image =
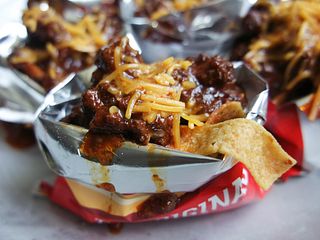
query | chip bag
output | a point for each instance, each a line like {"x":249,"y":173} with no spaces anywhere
{"x":230,"y":190}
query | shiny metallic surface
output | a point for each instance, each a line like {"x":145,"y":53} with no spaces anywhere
{"x":180,"y":171}
{"x":11,"y":35}
{"x":14,"y":35}
{"x":210,"y":29}
{"x":19,"y":101}
{"x":21,"y":96}
{"x":60,"y":142}
{"x":18,"y":98}
{"x":290,"y":210}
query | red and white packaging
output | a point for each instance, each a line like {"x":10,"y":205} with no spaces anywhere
{"x":229,"y":190}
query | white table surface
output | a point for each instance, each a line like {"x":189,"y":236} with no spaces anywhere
{"x":290,"y":211}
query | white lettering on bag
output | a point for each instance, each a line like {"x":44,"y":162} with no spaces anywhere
{"x":215,"y":200}
{"x":239,"y":187}
{"x":190,"y":212}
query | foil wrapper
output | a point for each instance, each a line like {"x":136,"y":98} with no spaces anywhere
{"x":219,"y":184}
{"x":21,"y":96}
{"x":210,"y":29}
{"x":231,"y":189}
{"x":134,"y":167}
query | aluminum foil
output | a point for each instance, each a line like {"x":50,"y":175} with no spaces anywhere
{"x":134,"y":167}
{"x":20,"y":96}
{"x":210,"y":29}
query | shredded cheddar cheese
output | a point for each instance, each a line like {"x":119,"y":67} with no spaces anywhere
{"x":131,"y":104}
{"x":85,"y":35}
{"x":168,"y":6}
{"x":152,"y":89}
{"x":176,"y":130}
{"x":114,"y":109}
{"x":295,"y":45}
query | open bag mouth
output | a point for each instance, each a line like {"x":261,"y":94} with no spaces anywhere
{"x":210,"y":26}
{"x":48,"y":46}
{"x":14,"y":36}
{"x":178,"y":171}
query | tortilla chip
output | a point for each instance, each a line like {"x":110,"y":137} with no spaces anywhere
{"x":227,"y":111}
{"x":245,"y":141}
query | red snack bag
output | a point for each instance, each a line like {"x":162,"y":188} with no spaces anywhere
{"x":229,"y":190}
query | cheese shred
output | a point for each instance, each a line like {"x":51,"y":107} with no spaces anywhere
{"x":290,"y":40}
{"x":152,"y":90}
